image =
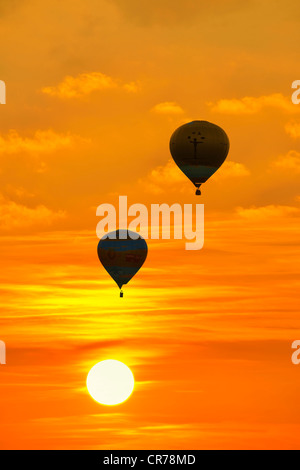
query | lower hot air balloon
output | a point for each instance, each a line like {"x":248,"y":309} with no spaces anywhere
{"x":199,"y":148}
{"x":122,"y":254}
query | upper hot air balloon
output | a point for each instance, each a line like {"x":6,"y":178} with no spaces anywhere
{"x":122,"y":254}
{"x":199,"y":148}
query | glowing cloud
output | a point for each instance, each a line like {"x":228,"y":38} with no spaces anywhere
{"x":252,"y":105}
{"x":86,"y":83}
{"x":162,"y":176}
{"x":13,"y":215}
{"x":293,"y":129}
{"x":169,"y":175}
{"x":168,"y":107}
{"x":290,"y":161}
{"x":232,"y":169}
{"x":42,"y":141}
{"x":266,"y":212}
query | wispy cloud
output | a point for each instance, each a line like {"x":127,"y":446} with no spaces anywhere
{"x":168,"y":107}
{"x":232,"y":170}
{"x":293,"y":129}
{"x":15,"y":216}
{"x":252,"y":105}
{"x":172,"y":13}
{"x":162,"y":176}
{"x":290,"y":161}
{"x":169,"y":175}
{"x":42,"y":141}
{"x":85,"y":83}
{"x":267,"y":212}
{"x":132,"y":87}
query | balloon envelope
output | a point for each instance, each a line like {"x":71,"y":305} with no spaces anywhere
{"x":199,"y":148}
{"x":122,"y":254}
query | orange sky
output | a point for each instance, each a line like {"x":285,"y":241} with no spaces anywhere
{"x":94,"y":90}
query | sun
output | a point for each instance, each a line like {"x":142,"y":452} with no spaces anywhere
{"x":110,"y":382}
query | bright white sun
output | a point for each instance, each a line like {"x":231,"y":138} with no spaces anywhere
{"x":110,"y":382}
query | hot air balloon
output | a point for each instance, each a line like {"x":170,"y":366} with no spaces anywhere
{"x":122,"y":254}
{"x":199,"y":148}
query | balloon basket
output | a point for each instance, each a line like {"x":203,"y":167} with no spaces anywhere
{"x":121,"y":294}
{"x":198,"y":192}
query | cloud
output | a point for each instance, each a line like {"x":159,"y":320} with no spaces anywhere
{"x":293,"y":129}
{"x":169,"y":175}
{"x":290,"y":161}
{"x":132,"y":87}
{"x":253,"y":105}
{"x":42,"y":141}
{"x":168,"y":107}
{"x":163,"y":176}
{"x":6,"y":6}
{"x":266,"y":212}
{"x":85,"y":83}
{"x":170,"y":12}
{"x":13,"y":215}
{"x":232,"y":169}
{"x":19,"y":191}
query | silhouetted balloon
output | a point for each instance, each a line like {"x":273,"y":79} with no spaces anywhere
{"x":199,"y":148}
{"x":121,"y":255}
